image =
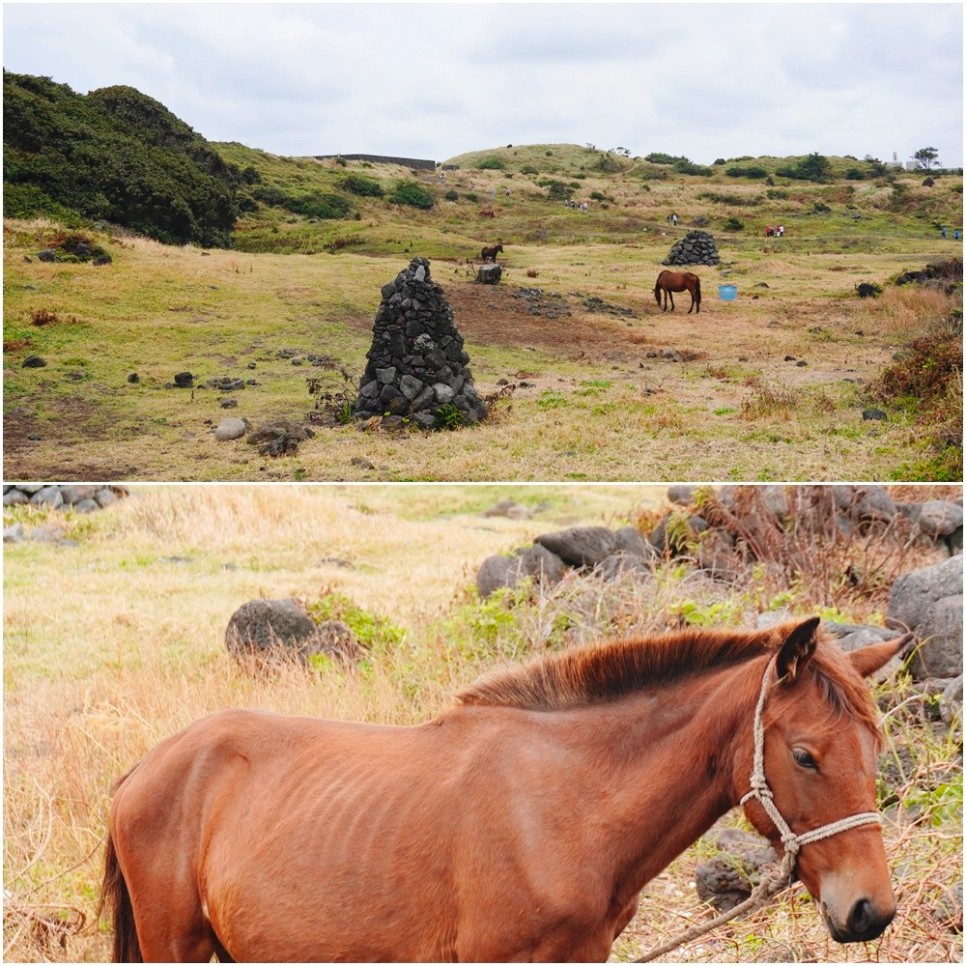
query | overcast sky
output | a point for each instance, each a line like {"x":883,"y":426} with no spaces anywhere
{"x":432,"y":81}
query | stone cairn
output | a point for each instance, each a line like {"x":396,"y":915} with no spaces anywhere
{"x":696,"y":248}
{"x":417,"y":363}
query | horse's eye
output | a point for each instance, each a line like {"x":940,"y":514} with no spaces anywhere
{"x":803,"y":758}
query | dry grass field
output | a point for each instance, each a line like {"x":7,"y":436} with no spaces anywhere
{"x":114,"y":639}
{"x":771,"y":386}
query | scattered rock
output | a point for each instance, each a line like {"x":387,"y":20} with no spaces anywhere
{"x":535,"y":562}
{"x":581,"y":546}
{"x":184,"y":380}
{"x":278,"y":437}
{"x":231,"y":428}
{"x":728,"y":879}
{"x":509,"y":509}
{"x":272,"y":631}
{"x":489,"y":274}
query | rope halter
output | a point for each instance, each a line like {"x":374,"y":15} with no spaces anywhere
{"x":760,"y":790}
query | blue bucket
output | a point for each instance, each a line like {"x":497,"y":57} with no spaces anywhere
{"x":727,"y":293}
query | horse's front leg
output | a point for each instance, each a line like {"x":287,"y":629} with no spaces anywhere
{"x":670,"y":295}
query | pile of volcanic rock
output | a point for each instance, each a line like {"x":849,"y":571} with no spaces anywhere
{"x":417,"y":363}
{"x":696,"y":248}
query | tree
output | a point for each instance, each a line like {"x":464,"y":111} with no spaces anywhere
{"x":926,"y":158}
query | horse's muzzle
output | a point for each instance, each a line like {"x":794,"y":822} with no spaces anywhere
{"x":864,"y":922}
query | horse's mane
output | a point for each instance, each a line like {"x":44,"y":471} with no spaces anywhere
{"x":608,"y":671}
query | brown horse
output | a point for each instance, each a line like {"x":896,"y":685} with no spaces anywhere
{"x":489,"y":254}
{"x":669,"y":282}
{"x":521,"y":823}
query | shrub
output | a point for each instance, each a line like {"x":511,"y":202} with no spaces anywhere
{"x":452,"y":195}
{"x":557,"y":190}
{"x":658,"y":157}
{"x":755,"y":171}
{"x":733,"y":224}
{"x":491,"y":163}
{"x":359,"y":184}
{"x":815,"y":167}
{"x":684,"y":166}
{"x":412,"y":193}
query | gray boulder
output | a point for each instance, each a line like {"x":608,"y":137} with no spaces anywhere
{"x":273,"y":631}
{"x":489,"y":274}
{"x":937,"y":519}
{"x":727,"y":879}
{"x":535,"y":562}
{"x":48,"y":496}
{"x":231,"y":427}
{"x":581,"y":546}
{"x":624,"y":562}
{"x":930,"y":603}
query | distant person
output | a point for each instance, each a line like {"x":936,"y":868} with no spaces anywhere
{"x":781,"y":230}
{"x":956,"y":235}
{"x":769,"y":231}
{"x":942,"y":232}
{"x":674,"y":220}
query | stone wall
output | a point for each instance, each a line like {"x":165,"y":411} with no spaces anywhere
{"x":419,"y":164}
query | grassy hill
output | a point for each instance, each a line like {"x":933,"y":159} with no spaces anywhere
{"x":525,"y":188}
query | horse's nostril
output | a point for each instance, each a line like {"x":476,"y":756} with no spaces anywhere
{"x":864,"y":922}
{"x":861,"y":917}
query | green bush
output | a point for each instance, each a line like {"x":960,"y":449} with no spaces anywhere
{"x":753,"y":171}
{"x":815,"y":167}
{"x":684,"y":166}
{"x":492,"y":162}
{"x":359,"y":184}
{"x":657,"y":157}
{"x":412,"y":193}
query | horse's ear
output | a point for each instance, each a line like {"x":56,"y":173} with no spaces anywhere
{"x":868,"y":660}
{"x":797,"y":649}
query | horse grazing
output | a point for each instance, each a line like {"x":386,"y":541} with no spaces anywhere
{"x":521,"y":823}
{"x":669,"y":282}
{"x":489,"y":254}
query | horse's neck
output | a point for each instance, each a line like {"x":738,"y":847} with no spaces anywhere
{"x":674,"y":776}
